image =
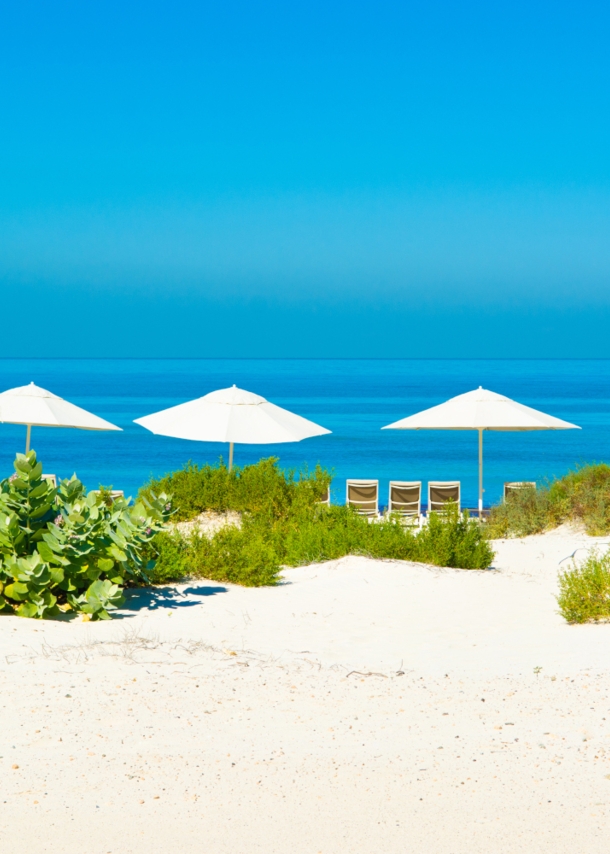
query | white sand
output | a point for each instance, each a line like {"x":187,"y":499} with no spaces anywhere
{"x":211,"y":718}
{"x":207,"y":523}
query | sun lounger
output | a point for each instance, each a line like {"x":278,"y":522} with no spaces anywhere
{"x":364,"y":496}
{"x":441,"y":492}
{"x":325,"y":498}
{"x":405,"y":498}
{"x":516,"y":486}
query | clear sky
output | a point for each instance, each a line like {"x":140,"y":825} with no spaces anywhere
{"x":305,"y":178}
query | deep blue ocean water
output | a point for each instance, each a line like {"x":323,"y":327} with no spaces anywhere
{"x":352,"y":398}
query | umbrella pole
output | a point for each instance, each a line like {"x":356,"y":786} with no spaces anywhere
{"x":230,"y":455}
{"x":28,"y":436}
{"x":480,"y":475}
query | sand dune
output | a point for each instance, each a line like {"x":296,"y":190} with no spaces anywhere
{"x":362,"y":706}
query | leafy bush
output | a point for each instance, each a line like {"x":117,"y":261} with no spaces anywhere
{"x":259,"y":488}
{"x":584,"y":592}
{"x":333,"y":532}
{"x":64,"y":550}
{"x":233,"y":554}
{"x":525,"y":511}
{"x":453,"y":540}
{"x":283,"y":524}
{"x":241,"y":556}
{"x":168,"y":555}
{"x":583,"y":496}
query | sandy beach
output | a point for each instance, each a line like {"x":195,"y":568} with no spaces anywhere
{"x":361,"y":706}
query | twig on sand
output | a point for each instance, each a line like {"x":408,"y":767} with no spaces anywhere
{"x":371,"y":673}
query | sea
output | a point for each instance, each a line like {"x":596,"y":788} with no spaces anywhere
{"x":352,"y":398}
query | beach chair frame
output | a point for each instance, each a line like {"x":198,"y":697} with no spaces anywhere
{"x":516,"y":485}
{"x":409,"y":510}
{"x":365,"y":506}
{"x":443,"y":485}
{"x":325,"y":499}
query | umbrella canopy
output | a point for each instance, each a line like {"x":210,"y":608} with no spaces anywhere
{"x":231,"y":415}
{"x":481,"y":410}
{"x":36,"y":407}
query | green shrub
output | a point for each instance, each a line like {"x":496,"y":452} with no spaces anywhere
{"x":62,"y":549}
{"x":241,"y":556}
{"x":167,"y":555}
{"x":525,"y":511}
{"x":584,"y":592}
{"x":333,"y":532}
{"x":581,"y":496}
{"x":316,"y":534}
{"x":453,"y":540}
{"x":284,"y":524}
{"x":259,"y":488}
{"x":105,"y":495}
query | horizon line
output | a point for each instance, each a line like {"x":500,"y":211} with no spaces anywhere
{"x":305,"y":358}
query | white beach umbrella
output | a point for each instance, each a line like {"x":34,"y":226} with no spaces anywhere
{"x":481,"y":410}
{"x":33,"y":406}
{"x":231,"y":415}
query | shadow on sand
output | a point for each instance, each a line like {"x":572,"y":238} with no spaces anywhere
{"x":152,"y":598}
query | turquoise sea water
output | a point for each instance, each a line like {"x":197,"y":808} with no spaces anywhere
{"x":352,"y":398}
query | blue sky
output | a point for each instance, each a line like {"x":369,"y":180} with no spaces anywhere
{"x":306,"y":179}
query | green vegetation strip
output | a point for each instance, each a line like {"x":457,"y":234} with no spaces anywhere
{"x":284,"y":524}
{"x":582,"y":496}
{"x":65,"y":550}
